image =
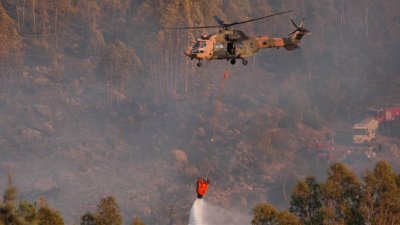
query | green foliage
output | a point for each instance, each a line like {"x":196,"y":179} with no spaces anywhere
{"x":342,"y":194}
{"x":266,"y":214}
{"x":312,"y":118}
{"x":306,"y":201}
{"x":137,"y":221}
{"x":10,"y":195}
{"x":297,"y":104}
{"x":263,"y":214}
{"x":48,"y":216}
{"x":287,"y":218}
{"x":381,"y":196}
{"x":344,"y":199}
{"x":8,"y":213}
{"x":88,"y":219}
{"x":108,"y":212}
{"x":28,"y":211}
{"x":118,"y":63}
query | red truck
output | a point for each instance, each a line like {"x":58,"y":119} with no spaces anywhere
{"x":383,"y":115}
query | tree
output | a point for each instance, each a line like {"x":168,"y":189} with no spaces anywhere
{"x":29,"y":212}
{"x":48,"y":216}
{"x":341,"y":195}
{"x":8,"y":213}
{"x":381,"y":196}
{"x":287,"y":218}
{"x":118,"y":63}
{"x":265,"y":214}
{"x":137,"y":221}
{"x":108,"y":212}
{"x":306,"y":201}
{"x":88,"y":219}
{"x":11,"y":45}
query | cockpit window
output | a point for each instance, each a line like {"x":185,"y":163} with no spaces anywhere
{"x":198,"y":47}
{"x":199,"y":44}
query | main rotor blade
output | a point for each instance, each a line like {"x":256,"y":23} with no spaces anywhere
{"x":302,"y":22}
{"x":219,"y":21}
{"x":182,"y":28}
{"x":294,"y":24}
{"x":247,"y":21}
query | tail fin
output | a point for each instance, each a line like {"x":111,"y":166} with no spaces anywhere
{"x":293,"y":39}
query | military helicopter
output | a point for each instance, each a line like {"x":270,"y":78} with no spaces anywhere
{"x":235,"y":44}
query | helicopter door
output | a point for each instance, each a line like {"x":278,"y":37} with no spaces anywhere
{"x":219,"y":51}
{"x":231,"y":48}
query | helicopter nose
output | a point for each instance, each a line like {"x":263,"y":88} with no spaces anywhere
{"x":188,"y":52}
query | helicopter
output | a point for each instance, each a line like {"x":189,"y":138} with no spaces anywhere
{"x":231,"y":44}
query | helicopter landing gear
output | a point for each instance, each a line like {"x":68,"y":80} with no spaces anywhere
{"x":233,"y":61}
{"x":199,"y":64}
{"x":245,"y":62}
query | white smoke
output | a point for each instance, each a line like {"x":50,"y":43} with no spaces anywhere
{"x":204,"y":213}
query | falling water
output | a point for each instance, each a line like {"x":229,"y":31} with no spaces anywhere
{"x":206,"y":213}
{"x":197,"y":213}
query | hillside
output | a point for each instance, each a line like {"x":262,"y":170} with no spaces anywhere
{"x":96,"y":99}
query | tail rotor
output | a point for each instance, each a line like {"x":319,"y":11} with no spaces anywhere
{"x":300,"y":30}
{"x":293,"y":40}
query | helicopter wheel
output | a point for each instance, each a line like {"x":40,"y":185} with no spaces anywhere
{"x":245,"y":62}
{"x":199,"y":64}
{"x":233,"y":61}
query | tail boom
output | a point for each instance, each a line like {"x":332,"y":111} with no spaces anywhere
{"x":267,"y":42}
{"x":289,"y":43}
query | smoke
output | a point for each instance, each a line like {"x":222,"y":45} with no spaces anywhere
{"x":205,"y":213}
{"x":67,"y":140}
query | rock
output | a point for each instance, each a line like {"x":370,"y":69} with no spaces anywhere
{"x":48,"y":128}
{"x":190,"y":171}
{"x":180,"y":156}
{"x":29,"y":134}
{"x":76,"y":87}
{"x":43,"y":110}
{"x":200,"y":132}
{"x":41,"y":81}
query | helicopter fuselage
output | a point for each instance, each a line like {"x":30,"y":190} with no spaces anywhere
{"x":227,"y":44}
{"x":234,"y":44}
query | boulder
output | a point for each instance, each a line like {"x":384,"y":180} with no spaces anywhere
{"x":180,"y":156}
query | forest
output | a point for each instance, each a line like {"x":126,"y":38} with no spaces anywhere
{"x":342,"y":199}
{"x":102,"y":111}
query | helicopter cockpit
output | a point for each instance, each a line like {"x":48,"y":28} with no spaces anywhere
{"x":199,"y":46}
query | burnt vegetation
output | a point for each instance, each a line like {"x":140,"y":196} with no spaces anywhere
{"x":97,"y":100}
